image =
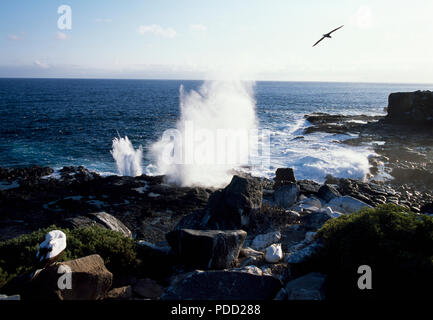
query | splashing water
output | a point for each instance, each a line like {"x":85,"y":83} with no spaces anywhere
{"x":211,"y":137}
{"x":128,"y":160}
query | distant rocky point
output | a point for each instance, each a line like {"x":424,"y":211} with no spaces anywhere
{"x":402,"y":139}
{"x":413,"y":108}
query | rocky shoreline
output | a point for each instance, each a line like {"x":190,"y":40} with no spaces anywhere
{"x":254,"y":231}
{"x":273,"y":226}
{"x":402,"y":140}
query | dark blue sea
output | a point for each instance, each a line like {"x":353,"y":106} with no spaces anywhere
{"x":60,"y":122}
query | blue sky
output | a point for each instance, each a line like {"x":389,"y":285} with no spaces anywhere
{"x":382,"y":41}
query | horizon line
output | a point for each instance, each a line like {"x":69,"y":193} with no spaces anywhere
{"x":179,"y":79}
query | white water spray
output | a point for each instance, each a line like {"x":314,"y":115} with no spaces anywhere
{"x":212,"y":136}
{"x":128,"y":160}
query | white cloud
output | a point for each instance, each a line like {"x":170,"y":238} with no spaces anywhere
{"x":103,"y":20}
{"x":158,"y":31}
{"x":363,"y":18}
{"x":61,"y":36}
{"x":41,"y":64}
{"x":14,"y":37}
{"x":198,"y":27}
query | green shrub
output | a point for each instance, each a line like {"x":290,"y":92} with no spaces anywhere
{"x":397,"y":244}
{"x":18,"y":255}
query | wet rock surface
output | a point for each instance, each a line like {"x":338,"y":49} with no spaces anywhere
{"x":145,"y":205}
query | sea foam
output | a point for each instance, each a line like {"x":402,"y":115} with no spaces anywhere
{"x":128,"y":159}
{"x":211,"y":137}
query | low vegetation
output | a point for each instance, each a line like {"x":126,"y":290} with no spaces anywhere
{"x":397,"y":244}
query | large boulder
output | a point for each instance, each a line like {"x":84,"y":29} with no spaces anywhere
{"x":211,"y":249}
{"x":101,"y":219}
{"x":286,"y":195}
{"x":308,"y":187}
{"x":111,"y":223}
{"x":411,"y":108}
{"x":162,"y":257}
{"x":223,"y":285}
{"x":284,"y":176}
{"x":308,"y":287}
{"x":80,"y":279}
{"x":347,"y":204}
{"x":234,"y":207}
{"x":314,"y":220}
{"x":328,"y":192}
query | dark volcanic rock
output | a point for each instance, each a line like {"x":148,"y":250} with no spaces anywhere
{"x":191,"y":221}
{"x":212,"y":249}
{"x":286,"y":195}
{"x":284,"y":176}
{"x":417,"y":175}
{"x":31,"y":173}
{"x":337,"y":123}
{"x":234,"y":207}
{"x":223,"y":285}
{"x":148,"y":289}
{"x":78,"y":222}
{"x":147,"y":206}
{"x":411,"y":108}
{"x":162,"y":257}
{"x":314,"y":220}
{"x":308,"y":187}
{"x":308,"y":287}
{"x":80,"y":174}
{"x":327,"y":192}
{"x":376,"y":193}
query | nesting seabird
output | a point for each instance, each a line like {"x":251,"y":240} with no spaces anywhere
{"x":51,"y":249}
{"x":327,"y":35}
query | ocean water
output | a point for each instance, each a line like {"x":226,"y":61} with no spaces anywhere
{"x":61,"y":122}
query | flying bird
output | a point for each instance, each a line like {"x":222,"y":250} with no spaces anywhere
{"x":327,"y":35}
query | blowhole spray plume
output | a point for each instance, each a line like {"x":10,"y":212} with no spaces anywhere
{"x":128,"y":159}
{"x":211,"y":137}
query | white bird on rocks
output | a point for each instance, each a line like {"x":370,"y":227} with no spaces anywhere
{"x":274,"y":253}
{"x":51,"y":248}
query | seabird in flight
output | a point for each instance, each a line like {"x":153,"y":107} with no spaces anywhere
{"x":328,"y":35}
